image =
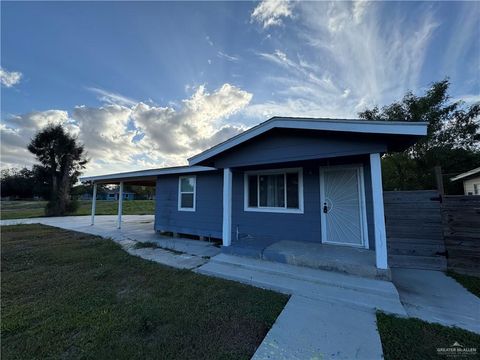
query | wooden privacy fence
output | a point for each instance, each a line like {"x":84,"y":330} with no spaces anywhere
{"x":414,"y":229}
{"x":461,"y":228}
{"x":426,"y":231}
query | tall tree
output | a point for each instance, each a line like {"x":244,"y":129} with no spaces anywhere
{"x":61,"y":159}
{"x":452,"y":141}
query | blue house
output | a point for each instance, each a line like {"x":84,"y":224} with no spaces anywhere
{"x":288,"y":183}
{"x":112,"y":195}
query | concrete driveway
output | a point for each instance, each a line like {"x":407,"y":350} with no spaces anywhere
{"x":435,"y":297}
{"x":187,"y":254}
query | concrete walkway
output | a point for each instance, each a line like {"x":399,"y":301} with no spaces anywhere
{"x":329,"y":315}
{"x":435,"y":297}
{"x":313,"y":329}
{"x":186,"y":254}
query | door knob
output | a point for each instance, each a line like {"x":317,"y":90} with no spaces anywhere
{"x":325,"y":208}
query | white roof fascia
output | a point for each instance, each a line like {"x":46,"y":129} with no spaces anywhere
{"x":147,"y":173}
{"x":466,"y":174}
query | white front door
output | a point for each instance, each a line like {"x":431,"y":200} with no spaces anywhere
{"x":342,"y":197}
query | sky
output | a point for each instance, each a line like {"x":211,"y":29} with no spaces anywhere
{"x":149,"y":84}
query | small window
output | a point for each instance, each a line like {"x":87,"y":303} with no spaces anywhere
{"x":274,"y":191}
{"x":476,"y":189}
{"x":186,"y":193}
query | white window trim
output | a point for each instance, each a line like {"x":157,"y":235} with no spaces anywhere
{"x":274,"y":209}
{"x":180,"y":208}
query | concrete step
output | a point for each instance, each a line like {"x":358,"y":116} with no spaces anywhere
{"x":361,"y":295}
{"x":244,"y":250}
{"x":418,"y":262}
{"x":383,"y":288}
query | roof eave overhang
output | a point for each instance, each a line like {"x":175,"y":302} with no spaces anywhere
{"x":144,"y":175}
{"x":466,"y":175}
{"x":353,"y":126}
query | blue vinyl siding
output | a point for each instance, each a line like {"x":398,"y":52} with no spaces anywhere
{"x":266,"y":226}
{"x":269,"y":227}
{"x":205,"y":221}
{"x":280,"y":146}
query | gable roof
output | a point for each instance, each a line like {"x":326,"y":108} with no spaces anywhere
{"x":325,"y":124}
{"x":466,"y":174}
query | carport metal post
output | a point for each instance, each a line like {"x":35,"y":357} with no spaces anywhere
{"x":120,"y":205}
{"x":94,"y":202}
{"x":378,"y":212}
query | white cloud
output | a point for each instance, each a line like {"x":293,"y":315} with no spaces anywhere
{"x":196,"y":125}
{"x":118,"y":137}
{"x":469,"y":99}
{"x":225,"y":56}
{"x":112,"y":98}
{"x":349,"y":60}
{"x":270,"y":12}
{"x":17,"y":131}
{"x":359,"y":9}
{"x":209,"y":41}
{"x":278,"y":57}
{"x":466,"y":32}
{"x":9,"y":78}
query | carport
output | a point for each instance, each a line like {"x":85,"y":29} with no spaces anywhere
{"x":140,"y":178}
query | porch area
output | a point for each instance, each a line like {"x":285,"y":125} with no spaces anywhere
{"x":343,"y":259}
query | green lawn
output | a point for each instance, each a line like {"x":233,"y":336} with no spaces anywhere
{"x":28,"y":209}
{"x":471,"y":283}
{"x":414,"y":339}
{"x":72,"y":295}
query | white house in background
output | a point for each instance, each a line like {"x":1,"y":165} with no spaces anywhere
{"x":471,"y":181}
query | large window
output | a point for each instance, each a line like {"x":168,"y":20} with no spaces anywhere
{"x":274,"y":191}
{"x":186,"y":193}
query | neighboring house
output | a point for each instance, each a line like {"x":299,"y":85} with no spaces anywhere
{"x":112,"y":195}
{"x":86,"y":196}
{"x":109,"y":195}
{"x":471,"y":181}
{"x":311,"y":181}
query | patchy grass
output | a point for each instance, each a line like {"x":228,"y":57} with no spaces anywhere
{"x":413,"y":339}
{"x":146,"y":244}
{"x":469,"y":282}
{"x":29,"y":209}
{"x":152,"y":245}
{"x":72,"y":295}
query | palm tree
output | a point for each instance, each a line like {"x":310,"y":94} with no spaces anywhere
{"x":61,"y":158}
